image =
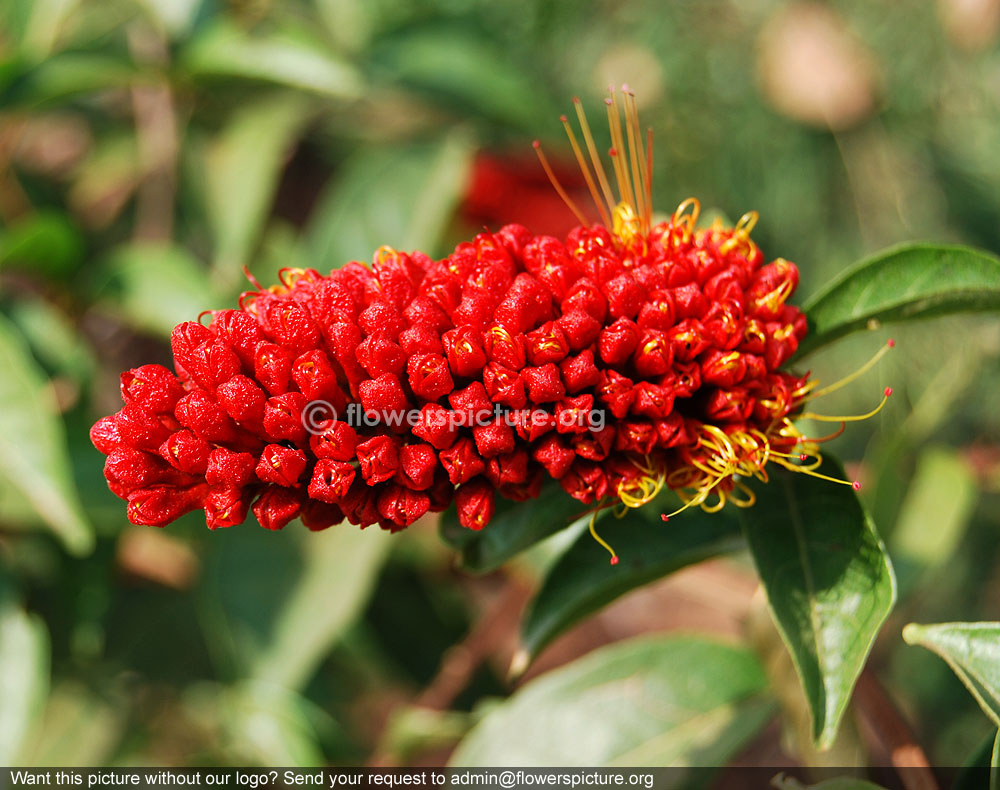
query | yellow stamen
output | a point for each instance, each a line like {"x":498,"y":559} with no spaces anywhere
{"x":599,"y":539}
{"x":849,"y":417}
{"x":559,"y":187}
{"x":585,"y":169}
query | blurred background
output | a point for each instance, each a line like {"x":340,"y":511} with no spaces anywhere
{"x":149,"y":149}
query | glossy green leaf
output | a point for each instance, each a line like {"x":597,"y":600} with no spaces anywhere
{"x":291,"y":59}
{"x":651,"y":701}
{"x":242,"y":168}
{"x":33,"y":455}
{"x":903,"y":283}
{"x":828,"y":580}
{"x":276,"y":602}
{"x":402,"y":197}
{"x":156,"y":286}
{"x":24,"y":676}
{"x":582,"y":580}
{"x":972,"y":650}
{"x":514,"y":527}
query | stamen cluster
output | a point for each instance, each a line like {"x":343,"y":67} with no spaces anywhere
{"x":675,"y":336}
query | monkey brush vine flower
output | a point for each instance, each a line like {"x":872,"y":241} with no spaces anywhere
{"x":675,"y":334}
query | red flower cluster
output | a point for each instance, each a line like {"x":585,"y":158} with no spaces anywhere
{"x":629,"y":358}
{"x":673,"y":339}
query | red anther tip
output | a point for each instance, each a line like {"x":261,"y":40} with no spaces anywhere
{"x":891,"y":343}
{"x":665,"y":517}
{"x":888,"y":391}
{"x":576,"y":100}
{"x":856,"y":485}
{"x":536,"y":144}
{"x":563,"y":118}
{"x":803,"y":457}
{"x":614,"y":560}
{"x":612,"y":152}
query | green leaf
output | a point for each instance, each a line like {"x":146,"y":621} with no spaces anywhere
{"x":263,"y":594}
{"x":269,"y":725}
{"x":972,"y":650}
{"x":24,"y":676}
{"x":33,"y":455}
{"x":582,"y":580}
{"x":651,"y":701}
{"x":155,"y":286}
{"x":471,"y":71}
{"x":514,"y":527}
{"x":402,"y":197}
{"x":54,"y":338}
{"x":242,"y":168}
{"x":995,"y":764}
{"x":65,"y":76}
{"x":828,"y":580}
{"x":901,"y":284}
{"x":285,"y":58}
{"x":46,"y":243}
{"x":934,"y":516}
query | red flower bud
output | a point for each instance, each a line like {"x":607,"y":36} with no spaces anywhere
{"x":226,"y":507}
{"x":544,"y":384}
{"x":585,"y":481}
{"x":160,"y":504}
{"x":429,"y":376}
{"x":400,"y":506}
{"x":580,"y":328}
{"x":378,"y":355}
{"x":186,"y":452}
{"x":337,"y":442}
{"x":579,"y":372}
{"x":152,"y":388}
{"x":494,"y":439}
{"x":461,"y":461}
{"x":379,"y":458}
{"x":331,"y":480}
{"x":417,"y":464}
{"x":504,"y":386}
{"x":437,"y":426}
{"x":475,"y":504}
{"x":281,"y":465}
{"x":199,"y":412}
{"x":272,"y":367}
{"x":420,"y":339}
{"x":283,"y":417}
{"x":547,"y":344}
{"x":230,"y":470}
{"x":243,"y":401}
{"x":556,"y":457}
{"x":464,"y":349}
{"x":275,"y":507}
{"x":618,"y":341}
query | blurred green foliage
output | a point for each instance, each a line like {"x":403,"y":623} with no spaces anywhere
{"x":150,"y":149}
